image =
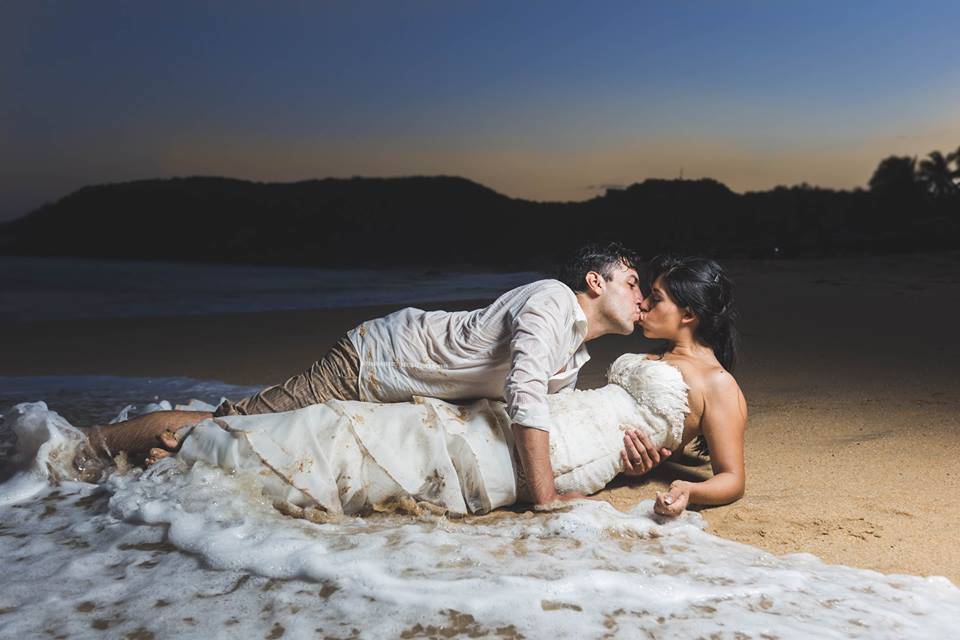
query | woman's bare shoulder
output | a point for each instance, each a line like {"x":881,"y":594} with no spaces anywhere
{"x":708,"y":380}
{"x":722,"y":391}
{"x":719,"y":380}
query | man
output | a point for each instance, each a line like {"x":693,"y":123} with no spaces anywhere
{"x":528,"y":343}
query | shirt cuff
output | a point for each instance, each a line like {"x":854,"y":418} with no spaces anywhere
{"x":533,"y":417}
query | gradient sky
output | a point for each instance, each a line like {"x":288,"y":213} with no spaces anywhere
{"x":542,"y":100}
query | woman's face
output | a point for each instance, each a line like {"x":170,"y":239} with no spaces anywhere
{"x":660,"y":317}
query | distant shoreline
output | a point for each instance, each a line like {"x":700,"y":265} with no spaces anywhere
{"x":40,"y":289}
{"x":428,"y":268}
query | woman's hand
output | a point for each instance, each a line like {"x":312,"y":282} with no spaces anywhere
{"x":672,"y":503}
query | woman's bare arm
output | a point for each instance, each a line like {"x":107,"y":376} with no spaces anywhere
{"x":723,"y":424}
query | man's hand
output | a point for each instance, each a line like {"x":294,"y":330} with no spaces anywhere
{"x":639,"y":455}
{"x":672,"y":503}
{"x":559,"y":501}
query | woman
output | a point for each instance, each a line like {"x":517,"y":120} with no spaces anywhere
{"x":351,"y":457}
{"x":691,"y":307}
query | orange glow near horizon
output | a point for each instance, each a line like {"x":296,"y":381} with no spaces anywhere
{"x":550,"y":176}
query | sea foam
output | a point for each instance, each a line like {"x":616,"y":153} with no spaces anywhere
{"x":193,"y":551}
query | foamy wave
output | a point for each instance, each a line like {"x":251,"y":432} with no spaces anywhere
{"x":43,"y":448}
{"x":106,"y":554}
{"x":572,"y":574}
{"x":46,"y":446}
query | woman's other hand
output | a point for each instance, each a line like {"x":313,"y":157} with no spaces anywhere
{"x":672,"y":503}
{"x":639,"y":455}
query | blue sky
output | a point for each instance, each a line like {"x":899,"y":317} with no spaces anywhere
{"x":542,"y":100}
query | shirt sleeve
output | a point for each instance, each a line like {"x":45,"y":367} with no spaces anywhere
{"x":537,"y":347}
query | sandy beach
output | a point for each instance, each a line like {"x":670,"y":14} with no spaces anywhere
{"x":851,"y":369}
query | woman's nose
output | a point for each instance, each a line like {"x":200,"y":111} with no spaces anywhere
{"x":644,"y":305}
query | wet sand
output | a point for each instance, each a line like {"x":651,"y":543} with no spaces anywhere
{"x":851,"y":369}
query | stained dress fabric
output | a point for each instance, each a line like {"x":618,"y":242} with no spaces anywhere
{"x":349,"y":456}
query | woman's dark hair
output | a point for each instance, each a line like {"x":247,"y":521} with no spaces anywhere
{"x":602,"y":258}
{"x":702,"y":287}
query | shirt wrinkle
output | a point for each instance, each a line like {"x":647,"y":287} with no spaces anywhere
{"x":524,"y":345}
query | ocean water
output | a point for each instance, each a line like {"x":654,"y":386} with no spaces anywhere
{"x":86,"y":400}
{"x":33,"y":289}
{"x":193,"y":552}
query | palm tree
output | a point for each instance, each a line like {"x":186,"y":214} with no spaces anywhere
{"x":936,"y":175}
{"x":955,"y":158}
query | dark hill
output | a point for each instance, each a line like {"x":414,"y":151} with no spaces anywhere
{"x":450,"y":220}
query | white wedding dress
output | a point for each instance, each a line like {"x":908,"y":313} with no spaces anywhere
{"x":350,"y":457}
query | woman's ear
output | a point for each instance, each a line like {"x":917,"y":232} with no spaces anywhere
{"x":688,"y":318}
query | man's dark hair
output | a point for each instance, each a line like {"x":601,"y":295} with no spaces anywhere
{"x":602,"y":258}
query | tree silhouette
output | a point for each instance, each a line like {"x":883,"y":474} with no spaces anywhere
{"x":895,"y":176}
{"x":936,"y":176}
{"x":955,"y":158}
{"x":414,"y":220}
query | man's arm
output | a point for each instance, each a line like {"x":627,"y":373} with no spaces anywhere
{"x":538,"y":348}
{"x":533,"y":446}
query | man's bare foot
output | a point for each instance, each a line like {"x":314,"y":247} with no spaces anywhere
{"x":155,"y":455}
{"x":170,"y":442}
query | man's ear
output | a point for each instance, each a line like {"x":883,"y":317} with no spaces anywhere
{"x":595,"y":282}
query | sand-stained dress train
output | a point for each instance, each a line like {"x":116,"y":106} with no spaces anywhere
{"x":350,"y":457}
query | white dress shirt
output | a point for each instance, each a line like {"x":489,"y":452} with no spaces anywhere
{"x":526,"y":344}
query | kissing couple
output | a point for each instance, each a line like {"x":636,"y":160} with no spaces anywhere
{"x":467,"y":411}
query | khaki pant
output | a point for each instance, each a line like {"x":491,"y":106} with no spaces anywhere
{"x":334,"y":376}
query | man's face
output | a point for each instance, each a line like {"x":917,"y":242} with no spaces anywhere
{"x":622,"y":298}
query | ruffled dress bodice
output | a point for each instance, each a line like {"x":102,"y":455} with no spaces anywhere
{"x":585,"y":446}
